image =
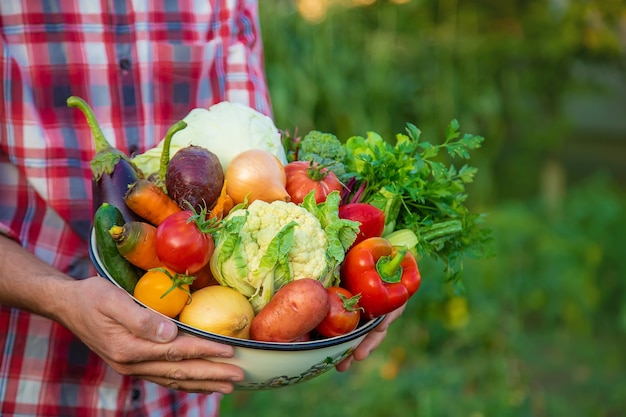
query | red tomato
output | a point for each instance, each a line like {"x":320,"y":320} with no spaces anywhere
{"x":305,"y":176}
{"x":204,"y":278}
{"x":344,"y":313}
{"x":372,"y":219}
{"x":181,"y":246}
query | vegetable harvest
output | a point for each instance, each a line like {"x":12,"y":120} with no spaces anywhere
{"x":281,"y":239}
{"x":407,"y":179}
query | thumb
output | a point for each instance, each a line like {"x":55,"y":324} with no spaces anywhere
{"x":150,"y":325}
{"x":166,"y":331}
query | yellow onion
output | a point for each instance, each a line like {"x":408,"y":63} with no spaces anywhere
{"x":256,"y":174}
{"x":218,"y":309}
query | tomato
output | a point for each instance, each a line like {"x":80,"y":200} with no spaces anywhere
{"x":344,"y":313}
{"x":204,"y":278}
{"x":181,"y":245}
{"x":306,"y":176}
{"x":372,"y":219}
{"x":162,"y":290}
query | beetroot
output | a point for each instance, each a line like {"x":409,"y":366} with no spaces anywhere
{"x":194,"y":176}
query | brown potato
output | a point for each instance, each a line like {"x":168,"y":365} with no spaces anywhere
{"x":296,"y":309}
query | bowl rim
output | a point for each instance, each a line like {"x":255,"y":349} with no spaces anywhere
{"x":361,"y":330}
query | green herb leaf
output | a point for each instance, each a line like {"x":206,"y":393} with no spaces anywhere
{"x":419,"y":190}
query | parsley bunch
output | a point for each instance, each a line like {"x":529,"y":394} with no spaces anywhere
{"x":417,"y":191}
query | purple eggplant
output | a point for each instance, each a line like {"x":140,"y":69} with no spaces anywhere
{"x":112,"y":170}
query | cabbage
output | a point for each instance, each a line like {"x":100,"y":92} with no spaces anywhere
{"x":226,"y":129}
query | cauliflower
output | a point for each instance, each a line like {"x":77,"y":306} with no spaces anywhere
{"x":264,"y":246}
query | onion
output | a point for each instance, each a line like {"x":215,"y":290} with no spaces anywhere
{"x":219,"y":309}
{"x":257,"y":174}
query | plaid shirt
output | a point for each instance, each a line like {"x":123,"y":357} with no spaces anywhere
{"x":142,"y":65}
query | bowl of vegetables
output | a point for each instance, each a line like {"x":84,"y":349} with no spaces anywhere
{"x":291,"y":250}
{"x":285,"y":326}
{"x":269,"y":365}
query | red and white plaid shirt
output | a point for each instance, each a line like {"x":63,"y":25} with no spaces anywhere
{"x":142,"y":65}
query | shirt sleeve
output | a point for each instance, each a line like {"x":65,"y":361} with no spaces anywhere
{"x":11,"y":193}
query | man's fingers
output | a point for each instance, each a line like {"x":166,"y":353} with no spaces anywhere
{"x":192,"y":370}
{"x":203,"y":387}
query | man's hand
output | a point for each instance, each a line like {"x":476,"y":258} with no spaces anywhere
{"x":371,"y":341}
{"x":136,"y":341}
{"x":132,"y":339}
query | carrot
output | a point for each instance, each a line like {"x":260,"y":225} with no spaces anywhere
{"x":149,"y":201}
{"x":223,"y":205}
{"x":135,"y":242}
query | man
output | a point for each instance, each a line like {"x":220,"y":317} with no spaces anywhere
{"x":72,"y":343}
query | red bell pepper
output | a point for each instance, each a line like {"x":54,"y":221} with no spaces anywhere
{"x":386,"y":276}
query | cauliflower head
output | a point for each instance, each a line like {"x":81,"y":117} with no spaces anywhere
{"x":266,"y":245}
{"x":307,"y":255}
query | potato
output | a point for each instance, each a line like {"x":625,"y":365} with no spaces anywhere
{"x":296,"y":309}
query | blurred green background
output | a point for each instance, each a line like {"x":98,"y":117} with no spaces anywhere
{"x":541,"y":328}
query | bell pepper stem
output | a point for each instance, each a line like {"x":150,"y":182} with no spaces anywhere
{"x":389,"y":268}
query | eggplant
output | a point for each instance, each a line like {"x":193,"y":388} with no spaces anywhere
{"x":112,"y":170}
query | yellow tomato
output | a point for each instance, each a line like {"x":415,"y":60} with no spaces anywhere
{"x":162,"y":290}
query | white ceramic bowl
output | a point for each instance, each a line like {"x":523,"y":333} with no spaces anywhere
{"x":266,"y":364}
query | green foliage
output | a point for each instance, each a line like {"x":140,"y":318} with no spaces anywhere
{"x":540,"y":330}
{"x":541,"y":327}
{"x":416,"y":190}
{"x":504,"y":69}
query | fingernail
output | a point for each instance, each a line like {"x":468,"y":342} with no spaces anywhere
{"x":166,"y":331}
{"x":346,"y":364}
{"x":228,"y":353}
{"x":236,"y":378}
{"x":226,"y":389}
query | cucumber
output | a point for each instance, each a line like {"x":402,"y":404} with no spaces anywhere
{"x":122,"y":271}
